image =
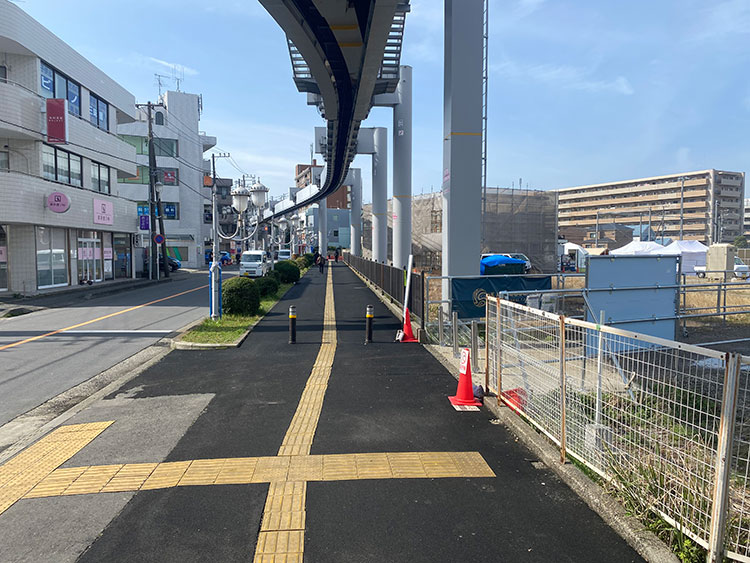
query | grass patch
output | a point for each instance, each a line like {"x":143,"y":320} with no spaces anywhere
{"x":230,"y":327}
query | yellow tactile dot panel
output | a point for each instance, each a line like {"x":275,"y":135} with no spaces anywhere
{"x":286,"y":546}
{"x":130,"y":478}
{"x":30,"y":467}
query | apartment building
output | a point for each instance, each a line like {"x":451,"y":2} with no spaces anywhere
{"x":706,"y":205}
{"x":62,"y":221}
{"x":179,"y":148}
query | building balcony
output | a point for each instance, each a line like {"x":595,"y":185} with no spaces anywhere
{"x":207,"y":141}
{"x":20,"y":112}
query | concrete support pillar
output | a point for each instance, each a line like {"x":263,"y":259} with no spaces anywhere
{"x":462,"y":137}
{"x":402,"y":126}
{"x":323,"y":226}
{"x":380,"y":195}
{"x":355,"y":219}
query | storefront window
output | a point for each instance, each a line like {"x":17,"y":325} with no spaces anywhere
{"x":51,"y":257}
{"x":3,"y":257}
{"x":89,"y":254}
{"x":107,"y":255}
{"x":122,"y":255}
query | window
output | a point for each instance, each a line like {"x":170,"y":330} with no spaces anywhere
{"x":51,"y":257}
{"x":4,"y":160}
{"x":159,"y":118}
{"x":56,"y":85}
{"x":170,"y":210}
{"x":208,"y":215}
{"x":165,"y":147}
{"x":3,"y":73}
{"x":99,"y":177}
{"x":167,"y":176}
{"x":61,"y":166}
{"x":98,"y":112}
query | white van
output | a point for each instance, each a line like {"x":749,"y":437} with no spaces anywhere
{"x":285,"y":254}
{"x":254,"y":263}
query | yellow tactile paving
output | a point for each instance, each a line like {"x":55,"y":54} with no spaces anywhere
{"x":27,"y":469}
{"x":166,"y":475}
{"x":130,"y":477}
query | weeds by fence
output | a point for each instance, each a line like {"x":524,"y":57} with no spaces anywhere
{"x":664,"y":423}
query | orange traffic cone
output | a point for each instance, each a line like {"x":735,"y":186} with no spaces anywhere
{"x":408,"y":333}
{"x":465,"y":391}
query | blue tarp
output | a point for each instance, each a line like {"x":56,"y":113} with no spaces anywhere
{"x":497,"y":260}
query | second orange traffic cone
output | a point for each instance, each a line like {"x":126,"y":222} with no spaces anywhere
{"x":465,"y":391}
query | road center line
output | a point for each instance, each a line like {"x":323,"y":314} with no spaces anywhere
{"x":45,"y":335}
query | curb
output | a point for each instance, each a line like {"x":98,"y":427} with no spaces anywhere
{"x":177,"y":344}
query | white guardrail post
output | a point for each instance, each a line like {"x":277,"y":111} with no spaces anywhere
{"x":724,"y":459}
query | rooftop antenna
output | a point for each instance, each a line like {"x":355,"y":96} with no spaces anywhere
{"x":159,"y":78}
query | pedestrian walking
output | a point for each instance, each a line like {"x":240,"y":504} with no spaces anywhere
{"x":336,"y":255}
{"x":321,"y":262}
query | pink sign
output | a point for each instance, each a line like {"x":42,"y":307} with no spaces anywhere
{"x":58,"y":202}
{"x":97,"y":253}
{"x":104,"y":212}
{"x":108,"y":254}
{"x":3,"y":254}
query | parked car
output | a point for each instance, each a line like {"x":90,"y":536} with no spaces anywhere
{"x":517,"y":256}
{"x":173,"y":263}
{"x":254,"y":263}
{"x":741,"y":270}
{"x":284,"y":254}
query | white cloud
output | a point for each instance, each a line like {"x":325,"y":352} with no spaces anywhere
{"x":563,"y":76}
{"x":527,"y":7}
{"x":722,"y":19}
{"x":175,"y":66}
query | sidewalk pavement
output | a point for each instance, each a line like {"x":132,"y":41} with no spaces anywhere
{"x":383,"y":402}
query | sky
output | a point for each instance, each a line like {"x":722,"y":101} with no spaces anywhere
{"x":580,"y":91}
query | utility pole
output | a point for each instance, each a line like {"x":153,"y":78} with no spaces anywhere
{"x":215,"y":264}
{"x":154,"y":201}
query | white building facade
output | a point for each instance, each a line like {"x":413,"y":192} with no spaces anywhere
{"x":179,"y":148}
{"x":62,"y":221}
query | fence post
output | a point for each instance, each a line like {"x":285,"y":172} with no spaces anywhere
{"x":723,"y":458}
{"x":725,"y":304}
{"x":563,"y":394}
{"x":423,"y":316}
{"x":599,"y":360}
{"x":454,"y":327}
{"x":475,"y":341}
{"x":441,"y":327}
{"x":499,"y":359}
{"x":718,"y":297}
{"x":486,"y":344}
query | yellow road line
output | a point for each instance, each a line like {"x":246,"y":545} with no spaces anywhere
{"x":34,"y":465}
{"x":31,"y":339}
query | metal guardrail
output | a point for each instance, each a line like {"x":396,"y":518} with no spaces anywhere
{"x":392,"y":281}
{"x":668,"y":424}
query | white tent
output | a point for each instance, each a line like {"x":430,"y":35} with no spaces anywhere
{"x":692,"y":254}
{"x":638,"y":248}
{"x":572,"y":249}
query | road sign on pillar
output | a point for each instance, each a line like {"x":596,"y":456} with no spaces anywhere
{"x":159,"y":238}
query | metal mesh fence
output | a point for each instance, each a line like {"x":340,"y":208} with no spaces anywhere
{"x":652,"y":416}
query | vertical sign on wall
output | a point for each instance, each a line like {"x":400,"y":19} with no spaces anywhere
{"x":57,"y":120}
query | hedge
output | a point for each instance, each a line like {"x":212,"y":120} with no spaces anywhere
{"x":240,"y":296}
{"x":301,"y":263}
{"x":310,"y":258}
{"x":273,"y":274}
{"x":288,"y":271}
{"x":267,"y":286}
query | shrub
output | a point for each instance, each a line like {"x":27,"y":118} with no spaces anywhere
{"x":301,"y":263}
{"x":240,"y":296}
{"x":274,"y":274}
{"x":267,"y":286}
{"x":288,"y":270}
{"x":310,"y":259}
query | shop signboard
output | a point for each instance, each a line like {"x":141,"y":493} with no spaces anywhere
{"x":57,"y":120}
{"x":3,"y":253}
{"x":58,"y":202}
{"x":104,"y":212}
{"x":107,"y":253}
{"x":143,"y":222}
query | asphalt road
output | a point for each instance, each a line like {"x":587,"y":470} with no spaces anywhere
{"x":35,"y":371}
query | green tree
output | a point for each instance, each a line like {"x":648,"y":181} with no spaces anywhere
{"x":741,"y":241}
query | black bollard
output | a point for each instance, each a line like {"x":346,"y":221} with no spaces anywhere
{"x":368,"y":323}
{"x":292,"y":324}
